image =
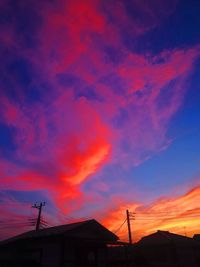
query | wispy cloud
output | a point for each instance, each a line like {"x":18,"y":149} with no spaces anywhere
{"x":77,"y":98}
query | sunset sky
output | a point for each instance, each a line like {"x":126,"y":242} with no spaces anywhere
{"x":99,"y":113}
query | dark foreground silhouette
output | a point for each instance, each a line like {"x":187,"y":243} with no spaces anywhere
{"x":88,"y":243}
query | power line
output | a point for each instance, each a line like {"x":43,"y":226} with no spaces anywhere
{"x":120,"y":227}
{"x":177,"y":217}
{"x":13,"y":226}
{"x":13,"y":223}
{"x":169,"y":212}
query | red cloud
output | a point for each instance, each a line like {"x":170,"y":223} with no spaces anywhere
{"x":60,"y":161}
{"x":65,"y":138}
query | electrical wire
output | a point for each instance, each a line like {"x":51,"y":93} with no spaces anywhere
{"x":168,"y":212}
{"x":120,"y":226}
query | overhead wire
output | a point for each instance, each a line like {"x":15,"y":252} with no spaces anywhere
{"x":120,"y":226}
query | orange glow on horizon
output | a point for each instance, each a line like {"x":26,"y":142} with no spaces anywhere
{"x":176,"y":214}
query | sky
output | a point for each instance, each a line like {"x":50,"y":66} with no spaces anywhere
{"x":100,"y":113}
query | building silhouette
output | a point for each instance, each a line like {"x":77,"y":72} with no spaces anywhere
{"x":77,"y":244}
{"x":88,"y":243}
{"x":165,"y":249}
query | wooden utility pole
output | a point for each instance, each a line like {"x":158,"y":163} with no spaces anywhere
{"x":129,"y":227}
{"x":39,"y":207}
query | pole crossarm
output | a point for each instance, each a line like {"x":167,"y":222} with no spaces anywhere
{"x":39,"y":207}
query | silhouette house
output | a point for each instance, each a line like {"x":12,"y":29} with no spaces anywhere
{"x":77,"y":244}
{"x":167,"y":249}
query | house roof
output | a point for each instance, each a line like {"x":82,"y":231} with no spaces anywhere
{"x":165,"y":237}
{"x":196,"y":237}
{"x":89,"y":229}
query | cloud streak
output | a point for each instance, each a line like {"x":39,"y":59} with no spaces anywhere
{"x":178,"y":214}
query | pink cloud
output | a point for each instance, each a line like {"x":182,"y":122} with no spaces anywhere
{"x":63,"y":140}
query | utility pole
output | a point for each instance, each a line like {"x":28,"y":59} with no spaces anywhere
{"x":129,"y":227}
{"x":39,"y":207}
